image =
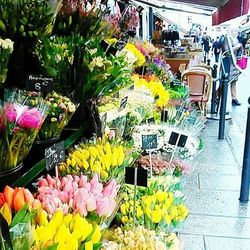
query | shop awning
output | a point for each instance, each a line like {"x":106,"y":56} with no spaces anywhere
{"x":232,"y":9}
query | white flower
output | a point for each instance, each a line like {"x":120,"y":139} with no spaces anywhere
{"x":58,"y":58}
{"x":96,"y":62}
{"x":6,"y":44}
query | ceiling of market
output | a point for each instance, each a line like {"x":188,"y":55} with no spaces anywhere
{"x":211,"y":3}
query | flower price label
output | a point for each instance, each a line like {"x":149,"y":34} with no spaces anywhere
{"x":151,"y":120}
{"x":149,"y":141}
{"x":54,"y":155}
{"x":140,"y":173}
{"x":124,"y":102}
{"x":39,"y":83}
{"x":178,"y":139}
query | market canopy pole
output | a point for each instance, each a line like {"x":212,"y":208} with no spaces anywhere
{"x":245,"y":178}
{"x":151,"y":23}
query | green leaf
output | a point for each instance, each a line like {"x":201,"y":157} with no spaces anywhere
{"x":53,"y":247}
{"x":97,"y":246}
{"x":18,"y":218}
{"x":4,"y":231}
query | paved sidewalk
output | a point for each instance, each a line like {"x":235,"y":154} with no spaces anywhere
{"x":217,"y":220}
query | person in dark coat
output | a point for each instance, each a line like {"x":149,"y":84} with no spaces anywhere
{"x":217,"y":49}
{"x":206,"y":46}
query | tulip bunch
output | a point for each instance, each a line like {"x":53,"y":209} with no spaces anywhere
{"x":13,"y":200}
{"x":61,"y":109}
{"x":180,"y":168}
{"x":104,"y":158}
{"x":141,"y":239}
{"x":66,"y":232}
{"x":74,"y":194}
{"x":156,"y":88}
{"x":159,"y":211}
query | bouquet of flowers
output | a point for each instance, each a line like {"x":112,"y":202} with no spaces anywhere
{"x":156,"y":87}
{"x":61,"y":109}
{"x":146,"y":48}
{"x":69,"y":232}
{"x":6,"y":48}
{"x":56,"y":55}
{"x":19,"y":127}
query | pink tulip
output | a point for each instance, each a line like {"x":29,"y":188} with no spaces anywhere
{"x":96,"y":186}
{"x":111,"y":190}
{"x":81,"y":208}
{"x":103,"y":206}
{"x":42,"y":183}
{"x":83,"y":181}
{"x":91,"y":204}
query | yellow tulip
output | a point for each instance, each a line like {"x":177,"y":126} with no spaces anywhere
{"x":123,"y":209}
{"x":156,"y":216}
{"x":139,"y":212}
{"x":6,"y":212}
{"x":57,"y":219}
{"x":89,"y":245}
{"x":124,"y":219}
{"x":104,"y":174}
{"x":85,"y":153}
{"x":61,"y":233}
{"x":167,"y":219}
{"x":42,"y":218}
{"x":96,"y":236}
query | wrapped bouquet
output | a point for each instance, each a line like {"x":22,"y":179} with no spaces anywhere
{"x":19,"y":125}
{"x":61,"y":109}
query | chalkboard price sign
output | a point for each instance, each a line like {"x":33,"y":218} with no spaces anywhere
{"x":123,"y":103}
{"x":39,"y":83}
{"x":54,"y":155}
{"x":177,"y":139}
{"x":149,"y":141}
{"x":151,"y":120}
{"x":164,"y":115}
{"x":142,"y":176}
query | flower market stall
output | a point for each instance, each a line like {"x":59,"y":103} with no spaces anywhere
{"x":97,"y":135}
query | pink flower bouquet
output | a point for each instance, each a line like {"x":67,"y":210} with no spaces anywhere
{"x":19,"y":125}
{"x":75,"y":194}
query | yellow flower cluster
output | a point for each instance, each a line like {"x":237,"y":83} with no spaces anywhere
{"x":160,"y":208}
{"x":140,"y":57}
{"x":70,"y":232}
{"x":156,"y":87}
{"x":101,"y":158}
{"x":155,"y":209}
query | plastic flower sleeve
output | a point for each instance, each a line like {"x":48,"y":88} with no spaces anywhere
{"x":21,"y":126}
{"x":60,"y":111}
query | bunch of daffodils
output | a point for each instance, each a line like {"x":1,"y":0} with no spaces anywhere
{"x":70,"y":232}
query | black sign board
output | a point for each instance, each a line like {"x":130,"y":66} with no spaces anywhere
{"x":164,"y":115}
{"x":54,"y":155}
{"x":151,"y":120}
{"x":173,"y":138}
{"x":39,"y":83}
{"x":132,"y":87}
{"x":108,"y":48}
{"x":182,"y":141}
{"x":149,"y":141}
{"x":142,"y":176}
{"x":123,"y":103}
{"x":177,"y":139}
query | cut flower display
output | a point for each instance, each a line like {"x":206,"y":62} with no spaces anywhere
{"x":75,"y":194}
{"x":60,"y":111}
{"x":105,"y":158}
{"x":19,"y":125}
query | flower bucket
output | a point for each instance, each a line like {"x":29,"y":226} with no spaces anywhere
{"x":8,"y":177}
{"x":37,"y":151}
